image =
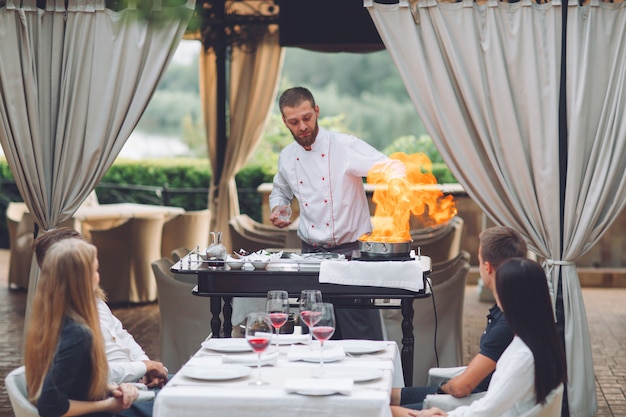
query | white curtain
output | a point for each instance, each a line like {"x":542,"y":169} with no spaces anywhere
{"x":485,"y":80}
{"x":253,"y":82}
{"x":75,"y":79}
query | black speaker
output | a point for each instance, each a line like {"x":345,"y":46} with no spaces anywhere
{"x":328,"y":25}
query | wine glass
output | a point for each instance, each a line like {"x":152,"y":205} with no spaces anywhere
{"x":324,"y":328}
{"x":277,"y":306}
{"x":308,"y":298}
{"x":259,"y":336}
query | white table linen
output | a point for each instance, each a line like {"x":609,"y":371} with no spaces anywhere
{"x":187,"y":397}
{"x":389,"y":274}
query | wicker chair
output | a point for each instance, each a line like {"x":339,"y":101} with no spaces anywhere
{"x":185,"y":319}
{"x":189,"y":230}
{"x":448,"y":286}
{"x":125,"y":253}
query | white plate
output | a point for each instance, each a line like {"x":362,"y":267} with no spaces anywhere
{"x":227,"y":345}
{"x":216,"y":372}
{"x":363,"y":347}
{"x":348,"y":372}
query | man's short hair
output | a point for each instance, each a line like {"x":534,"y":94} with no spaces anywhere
{"x":292,"y":97}
{"x":497,"y":244}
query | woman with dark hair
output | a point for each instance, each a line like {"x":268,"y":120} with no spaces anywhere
{"x":534,"y":363}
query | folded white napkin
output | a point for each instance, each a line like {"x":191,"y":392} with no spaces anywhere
{"x":291,"y":339}
{"x":250,"y":359}
{"x":305,"y":353}
{"x":316,"y":386}
{"x":390,"y":274}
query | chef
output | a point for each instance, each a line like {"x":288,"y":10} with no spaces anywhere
{"x":324,"y":170}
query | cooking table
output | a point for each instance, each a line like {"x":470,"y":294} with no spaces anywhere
{"x":224,"y":284}
{"x":195,"y":397}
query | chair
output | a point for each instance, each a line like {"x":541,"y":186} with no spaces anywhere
{"x":185,"y":318}
{"x":15,"y":383}
{"x":179,"y":253}
{"x":189,"y":229}
{"x":21,"y":227}
{"x":246,"y":233}
{"x":551,"y":408}
{"x":20,"y":224}
{"x":125,"y":253}
{"x":441,"y":243}
{"x":448,"y":287}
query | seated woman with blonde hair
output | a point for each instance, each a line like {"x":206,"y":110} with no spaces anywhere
{"x":66,"y":366}
{"x":533,"y":364}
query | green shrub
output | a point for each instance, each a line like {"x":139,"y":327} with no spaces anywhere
{"x":182,"y":182}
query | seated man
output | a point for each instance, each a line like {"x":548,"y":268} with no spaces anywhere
{"x":497,"y":244}
{"x":127,"y":360}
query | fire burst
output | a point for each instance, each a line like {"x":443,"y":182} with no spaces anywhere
{"x":398,"y":199}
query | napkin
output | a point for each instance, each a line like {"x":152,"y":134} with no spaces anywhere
{"x":390,"y":274}
{"x":305,"y":353}
{"x":290,"y":339}
{"x":251,"y":359}
{"x":316,"y":386}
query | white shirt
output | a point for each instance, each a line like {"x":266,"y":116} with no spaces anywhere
{"x":124,"y":355}
{"x":328,"y":183}
{"x":512,"y":388}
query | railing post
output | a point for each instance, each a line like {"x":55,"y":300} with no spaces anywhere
{"x":165,"y":195}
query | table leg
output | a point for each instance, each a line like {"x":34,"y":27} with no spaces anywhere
{"x":408,"y":341}
{"x":216,"y":308}
{"x":228,"y":314}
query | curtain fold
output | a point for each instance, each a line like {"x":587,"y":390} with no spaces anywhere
{"x":596,"y":168}
{"x":75,"y":79}
{"x":253,"y":82}
{"x":485,"y":80}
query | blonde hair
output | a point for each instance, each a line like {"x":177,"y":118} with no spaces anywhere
{"x":65,"y":290}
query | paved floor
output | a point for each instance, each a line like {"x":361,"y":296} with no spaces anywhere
{"x":606,"y":312}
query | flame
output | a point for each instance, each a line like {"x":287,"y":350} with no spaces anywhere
{"x":397,"y":199}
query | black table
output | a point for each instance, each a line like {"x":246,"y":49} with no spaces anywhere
{"x":218,"y":284}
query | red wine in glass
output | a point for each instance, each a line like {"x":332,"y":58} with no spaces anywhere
{"x":323,"y":333}
{"x":324,"y":328}
{"x":259,"y":344}
{"x":310,"y":318}
{"x":258,"y":335}
{"x":278,"y":320}
{"x":277,"y":306}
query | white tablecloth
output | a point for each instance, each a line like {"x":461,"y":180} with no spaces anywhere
{"x":123,"y":211}
{"x":187,"y":397}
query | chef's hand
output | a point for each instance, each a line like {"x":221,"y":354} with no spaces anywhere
{"x":281,"y":216}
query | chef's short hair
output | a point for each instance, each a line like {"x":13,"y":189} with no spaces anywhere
{"x":292,"y":97}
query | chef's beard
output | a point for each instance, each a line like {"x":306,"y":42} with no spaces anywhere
{"x":308,"y":140}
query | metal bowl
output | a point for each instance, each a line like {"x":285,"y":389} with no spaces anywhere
{"x":374,"y":248}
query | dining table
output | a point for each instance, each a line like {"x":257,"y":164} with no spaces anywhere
{"x":221,"y":284}
{"x":356,"y":380}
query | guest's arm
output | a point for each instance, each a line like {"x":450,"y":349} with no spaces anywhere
{"x":477,"y":370}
